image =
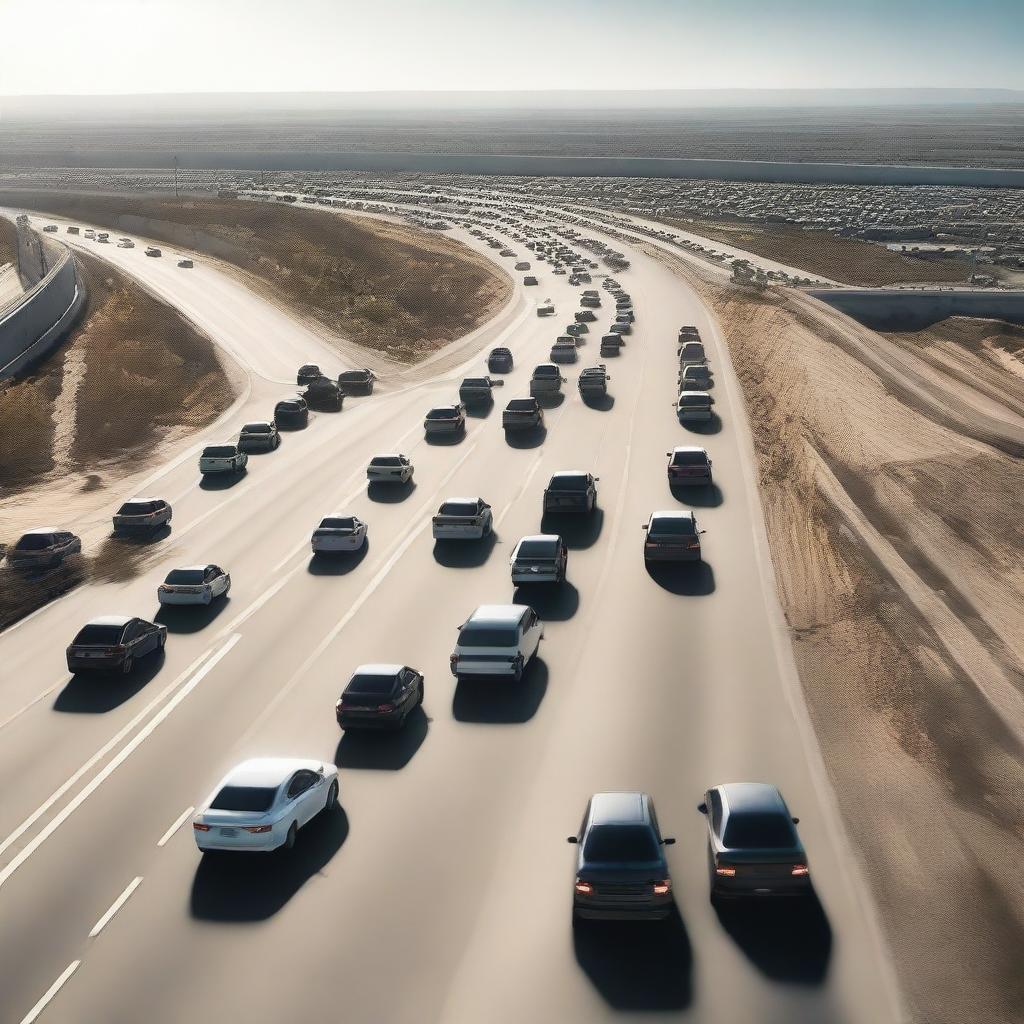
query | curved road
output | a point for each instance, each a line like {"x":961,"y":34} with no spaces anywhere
{"x":441,"y":888}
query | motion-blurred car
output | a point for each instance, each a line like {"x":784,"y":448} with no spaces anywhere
{"x":529,"y":280}
{"x":261,"y":804}
{"x":186,"y":264}
{"x":497,"y":640}
{"x":621,"y":870}
{"x":672,"y":536}
{"x":379,"y":697}
{"x":753,"y":846}
{"x":43,"y":548}
{"x":142,"y":514}
{"x":337,"y":533}
{"x":389,"y":469}
{"x":194,"y":584}
{"x":113,"y":643}
{"x":151,"y":250}
{"x":261,"y":436}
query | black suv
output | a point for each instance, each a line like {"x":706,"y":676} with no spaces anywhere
{"x":500,"y":361}
{"x":356,"y":382}
{"x":291,"y":412}
{"x":324,"y":393}
{"x":621,"y":872}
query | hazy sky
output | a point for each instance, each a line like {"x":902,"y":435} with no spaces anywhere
{"x":126,"y":46}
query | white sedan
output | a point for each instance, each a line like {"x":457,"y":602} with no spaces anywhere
{"x":194,"y":584}
{"x":338,"y":532}
{"x":261,"y":804}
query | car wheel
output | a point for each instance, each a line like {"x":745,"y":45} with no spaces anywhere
{"x":127,"y":665}
{"x":289,"y":839}
{"x":332,"y":796}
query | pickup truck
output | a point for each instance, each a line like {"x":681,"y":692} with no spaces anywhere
{"x":564,"y":350}
{"x":539,"y":559}
{"x":593,"y":382}
{"x":522,"y":414}
{"x":477,"y":390}
{"x":445,"y":420}
{"x":324,"y":393}
{"x":500,"y":360}
{"x":389,"y":469}
{"x":463,"y":519}
{"x":610,"y":344}
{"x":571,"y":491}
{"x":222,"y":458}
{"x":546,"y":380}
{"x":356,"y":382}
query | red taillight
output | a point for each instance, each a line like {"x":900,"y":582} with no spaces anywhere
{"x":693,"y":547}
{"x":200,"y":827}
{"x":256,"y":829}
{"x":800,"y":869}
{"x":584,"y":888}
{"x":727,"y":872}
{"x":663,"y":888}
{"x":384,"y":708}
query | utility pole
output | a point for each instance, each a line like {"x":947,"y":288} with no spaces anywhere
{"x":175,"y":177}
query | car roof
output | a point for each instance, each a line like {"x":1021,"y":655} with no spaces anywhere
{"x":194,"y":568}
{"x":378,"y":670}
{"x":569,"y":473}
{"x":110,"y":620}
{"x":42,"y":529}
{"x":267,"y":771}
{"x":499,"y":613}
{"x":679,"y":448}
{"x":131,"y":501}
{"x":752,"y":798}
{"x":552,"y":538}
{"x":673,"y":514}
{"x":472,"y":501}
{"x":618,"y":809}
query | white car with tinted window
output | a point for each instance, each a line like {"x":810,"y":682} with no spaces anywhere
{"x":261,"y":804}
{"x":337,"y":533}
{"x":389,"y":469}
{"x":194,"y":584}
{"x":497,"y":640}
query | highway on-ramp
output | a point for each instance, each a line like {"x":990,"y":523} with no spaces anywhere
{"x":440,"y":889}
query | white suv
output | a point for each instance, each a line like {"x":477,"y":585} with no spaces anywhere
{"x":391,"y":469}
{"x":497,"y":640}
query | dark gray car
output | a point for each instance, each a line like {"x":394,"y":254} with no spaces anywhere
{"x":621,"y":872}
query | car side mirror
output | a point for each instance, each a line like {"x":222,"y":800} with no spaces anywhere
{"x":796,"y":821}
{"x":668,"y":841}
{"x":320,"y":770}
{"x":702,"y":531}
{"x":572,"y":839}
{"x":703,"y":808}
{"x":597,"y":479}
{"x":644,"y":527}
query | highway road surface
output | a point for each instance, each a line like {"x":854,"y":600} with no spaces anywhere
{"x":440,"y":889}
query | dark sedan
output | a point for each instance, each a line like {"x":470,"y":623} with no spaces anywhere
{"x":114,"y":643}
{"x":379,"y":697}
{"x":753,"y":846}
{"x":291,"y":412}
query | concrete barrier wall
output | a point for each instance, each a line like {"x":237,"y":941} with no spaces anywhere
{"x":895,"y":309}
{"x":31,"y":329}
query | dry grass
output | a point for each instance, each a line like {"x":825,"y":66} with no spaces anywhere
{"x":22,"y":593}
{"x":929,"y":777}
{"x":384,"y":286}
{"x":26,"y":426}
{"x":8,"y":242}
{"x":846,"y":260}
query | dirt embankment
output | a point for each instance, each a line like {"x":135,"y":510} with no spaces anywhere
{"x":390,"y":288}
{"x":896,"y":541}
{"x":8,"y":242}
{"x":846,"y":260}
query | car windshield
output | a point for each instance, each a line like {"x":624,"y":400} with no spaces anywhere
{"x":689,"y":459}
{"x":444,"y":413}
{"x":354,"y":376}
{"x":501,"y":352}
{"x":34,"y":542}
{"x":488,"y":634}
{"x":618,"y":843}
{"x":243,"y":798}
{"x":185,"y":577}
{"x":521,"y":405}
{"x":476,"y":382}
{"x":222,"y":451}
{"x":135,"y":508}
{"x":546,"y":371}
{"x":386,"y":460}
{"x":338,"y":523}
{"x":256,"y":428}
{"x":695,"y":398}
{"x":458,"y":508}
{"x":568,"y":483}
{"x":537,"y":549}
{"x":759,"y":830}
{"x":287,"y":406}
{"x":97,"y":634}
{"x":371,"y":683}
{"x":683,"y":526}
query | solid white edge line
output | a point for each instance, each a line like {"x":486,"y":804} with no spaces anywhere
{"x":123,"y":756}
{"x":174,"y":828}
{"x":115,"y":906}
{"x":35,"y":700}
{"x":33,"y":1014}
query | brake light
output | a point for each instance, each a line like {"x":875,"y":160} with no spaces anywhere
{"x":255,"y":829}
{"x":800,"y":869}
{"x":663,"y":888}
{"x":584,"y":888}
{"x":727,"y":872}
{"x":694,"y":547}
{"x":385,"y":707}
{"x":200,"y":827}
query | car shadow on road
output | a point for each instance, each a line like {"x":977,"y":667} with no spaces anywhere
{"x":787,"y":939}
{"x":383,"y":750}
{"x":445,"y":440}
{"x":705,"y":496}
{"x":291,"y":428}
{"x":240,"y":887}
{"x":464,"y":554}
{"x":140,"y":538}
{"x":550,"y":401}
{"x":190,"y":618}
{"x":389,"y":494}
{"x":532,"y":438}
{"x":221,"y":481}
{"x":602,"y":403}
{"x":578,"y":530}
{"x":87,"y":693}
{"x":339,"y":564}
{"x":637,"y":965}
{"x":711,"y":426}
{"x":496,"y":701}
{"x":479,"y":410}
{"x":553,"y":602}
{"x":688,"y":579}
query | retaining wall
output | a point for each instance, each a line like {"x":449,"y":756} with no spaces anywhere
{"x":896,"y":309}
